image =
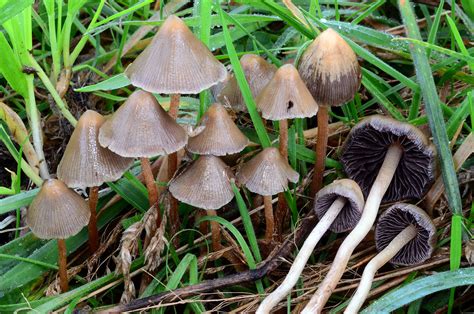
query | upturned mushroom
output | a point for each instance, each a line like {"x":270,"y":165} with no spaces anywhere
{"x":57,"y":212}
{"x":175,"y":63}
{"x":87,"y":164}
{"x":395,"y":161}
{"x":258,"y":72}
{"x":285,"y":97}
{"x":141,"y":128}
{"x":330,"y":69}
{"x":404,"y":235}
{"x":267,"y":174}
{"x":205,"y":184}
{"x":339,"y":208}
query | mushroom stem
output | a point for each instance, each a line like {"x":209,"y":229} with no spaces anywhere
{"x":321,"y":148}
{"x":269,"y":221}
{"x":150,"y":183}
{"x":380,"y":186}
{"x":282,"y":209}
{"x":284,"y":138}
{"x":300,"y":261}
{"x":172,"y":167}
{"x":215,"y":230}
{"x":62,"y":261}
{"x":92,"y":227}
{"x":378,"y":261}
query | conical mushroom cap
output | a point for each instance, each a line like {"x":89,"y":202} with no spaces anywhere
{"x":330,"y":69}
{"x":286,"y":96}
{"x":258,"y":73}
{"x":396,"y":218}
{"x":204,"y":184}
{"x":267,"y":173}
{"x":57,"y":212}
{"x":220,"y":135}
{"x":85,"y":163}
{"x":142,"y":128}
{"x":350,"y":214}
{"x":175,"y":62}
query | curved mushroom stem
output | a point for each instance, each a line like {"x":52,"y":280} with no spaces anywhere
{"x":92,"y":227}
{"x":300,"y":261}
{"x":281,"y":211}
{"x":380,"y":186}
{"x":172,"y":167}
{"x":378,"y":261}
{"x":269,"y":221}
{"x":321,"y":148}
{"x":62,"y":263}
{"x":215,"y":230}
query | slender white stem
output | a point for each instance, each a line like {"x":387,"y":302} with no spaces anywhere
{"x":381,"y":184}
{"x":300,"y":261}
{"x":374,"y":265}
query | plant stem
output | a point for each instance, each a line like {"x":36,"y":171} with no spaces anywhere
{"x":62,"y":255}
{"x":380,"y":186}
{"x":269,"y":221}
{"x":378,"y":261}
{"x":321,"y":148}
{"x":92,"y":227}
{"x":150,"y":184}
{"x":172,"y":167}
{"x":215,"y":230}
{"x":300,"y":261}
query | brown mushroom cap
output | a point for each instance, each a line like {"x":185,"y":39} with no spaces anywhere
{"x":258,"y":73}
{"x":175,"y":62}
{"x":57,"y":212}
{"x":396,"y":218}
{"x":330,"y":69}
{"x":204,"y":184}
{"x":364,"y":151}
{"x":286,"y":96}
{"x":142,"y":128}
{"x":85,"y":163}
{"x":352,"y":210}
{"x":267,"y":173}
{"x":220,"y":135}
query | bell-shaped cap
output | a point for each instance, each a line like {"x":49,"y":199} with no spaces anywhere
{"x":142,"y":128}
{"x":286,"y":96}
{"x":57,"y":212}
{"x":350,"y":214}
{"x":396,"y":218}
{"x":175,"y":62}
{"x":364,"y":151}
{"x":220,"y":135}
{"x":204,"y":184}
{"x":330,"y":69}
{"x":267,"y":173}
{"x":258,"y":73}
{"x":85,"y":163}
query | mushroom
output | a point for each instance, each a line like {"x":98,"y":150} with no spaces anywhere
{"x":330,"y":69}
{"x":258,"y":72}
{"x":267,"y":174}
{"x":57,"y":212}
{"x":87,"y":164}
{"x":404,"y":235}
{"x":142,"y":128}
{"x":396,"y":161}
{"x":285,"y":97}
{"x":339,"y":208}
{"x":175,"y":63}
{"x":205,"y":184}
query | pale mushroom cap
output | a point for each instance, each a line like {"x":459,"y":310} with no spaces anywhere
{"x":204,"y":184}
{"x":286,"y":96}
{"x":258,"y":73}
{"x":57,"y":212}
{"x":85,"y":163}
{"x":220,"y":135}
{"x":330,"y":69}
{"x":352,"y":210}
{"x":142,"y":128}
{"x":267,"y":173}
{"x":175,"y":62}
{"x":364,"y":151}
{"x":396,"y":218}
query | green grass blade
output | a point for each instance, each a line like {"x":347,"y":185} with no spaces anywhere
{"x":9,"y":9}
{"x":114,"y":82}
